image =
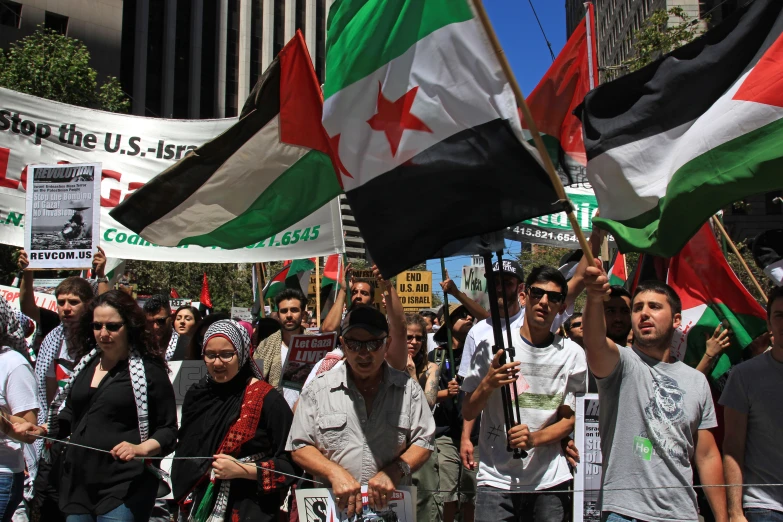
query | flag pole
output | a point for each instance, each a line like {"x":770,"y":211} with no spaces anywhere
{"x":260,"y":284}
{"x":447,"y":319}
{"x":520,"y":99}
{"x":318,"y":291}
{"x":733,"y":247}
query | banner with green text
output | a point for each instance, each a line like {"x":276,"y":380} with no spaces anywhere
{"x":132,"y":150}
{"x":554,"y":229}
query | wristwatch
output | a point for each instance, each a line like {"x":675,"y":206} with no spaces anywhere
{"x":103,"y":279}
{"x":404,"y":468}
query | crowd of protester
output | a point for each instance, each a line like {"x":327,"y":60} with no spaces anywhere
{"x":392,"y":405}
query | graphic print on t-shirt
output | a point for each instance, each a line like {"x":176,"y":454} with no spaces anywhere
{"x":663,"y":413}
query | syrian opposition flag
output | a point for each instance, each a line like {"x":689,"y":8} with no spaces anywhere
{"x":711,"y":294}
{"x":618,"y":272}
{"x":416,"y":102}
{"x":264,"y":174}
{"x":689,"y":134}
{"x":562,"y":89}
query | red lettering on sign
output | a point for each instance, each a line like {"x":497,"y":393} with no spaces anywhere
{"x":5,"y":154}
{"x":114,"y":194}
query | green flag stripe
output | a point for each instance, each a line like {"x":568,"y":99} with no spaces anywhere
{"x":310,"y":179}
{"x":749,"y":164}
{"x":364,"y":35}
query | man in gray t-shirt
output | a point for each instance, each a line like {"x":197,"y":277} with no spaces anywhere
{"x":655,"y":412}
{"x":753,"y":414}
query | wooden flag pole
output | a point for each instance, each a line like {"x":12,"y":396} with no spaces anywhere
{"x":260,"y":284}
{"x":318,"y":291}
{"x":520,"y":99}
{"x":733,"y":247}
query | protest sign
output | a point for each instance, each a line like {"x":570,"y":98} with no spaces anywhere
{"x":239,"y":313}
{"x":132,"y":151}
{"x":587,"y":481}
{"x":63,"y":218}
{"x":366,"y":276}
{"x":554,"y":229}
{"x":42,"y":299}
{"x":415,"y":290}
{"x":305,"y":351}
{"x":318,"y":505}
{"x":176,"y":302}
{"x":474,"y":284}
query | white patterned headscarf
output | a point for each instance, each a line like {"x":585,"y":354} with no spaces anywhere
{"x":238,"y":337}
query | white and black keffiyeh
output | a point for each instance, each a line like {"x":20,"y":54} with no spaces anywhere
{"x":238,"y":337}
{"x":172,"y":347}
{"x":138,"y":382}
{"x":11,"y":331}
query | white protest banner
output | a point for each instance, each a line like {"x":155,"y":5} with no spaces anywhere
{"x":239,"y":313}
{"x":587,"y":480}
{"x":474,"y":284}
{"x":318,"y":505}
{"x":43,"y":300}
{"x":305,"y":351}
{"x":132,"y":151}
{"x":63,"y":215}
{"x":176,"y":302}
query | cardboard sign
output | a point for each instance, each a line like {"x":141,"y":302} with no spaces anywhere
{"x":415,"y":290}
{"x":318,"y":505}
{"x":176,"y":302}
{"x":587,"y":480}
{"x":239,"y":313}
{"x":474,"y":284}
{"x":303,"y":354}
{"x":63,"y":215}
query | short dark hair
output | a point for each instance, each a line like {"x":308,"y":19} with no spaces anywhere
{"x":659,"y":287}
{"x":291,"y":293}
{"x":775,"y":293}
{"x":567,"y":324}
{"x":77,"y":286}
{"x":619,"y":291}
{"x":547,"y":274}
{"x":83,"y":338}
{"x":429,"y":313}
{"x":154,"y":304}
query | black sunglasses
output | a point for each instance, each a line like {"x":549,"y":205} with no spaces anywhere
{"x":110,"y":327}
{"x":575,"y":325}
{"x":161,"y":321}
{"x":538,"y":293}
{"x":371,"y":346}
{"x":459,"y":314}
{"x":419,"y":338}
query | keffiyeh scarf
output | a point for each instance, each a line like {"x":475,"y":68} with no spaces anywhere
{"x":172,"y":347}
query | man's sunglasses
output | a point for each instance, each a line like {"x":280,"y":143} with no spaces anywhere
{"x":371,"y":346}
{"x":575,"y":325}
{"x":459,"y":315}
{"x":538,"y":293}
{"x":418,"y":338}
{"x":161,"y":321}
{"x":110,"y":327}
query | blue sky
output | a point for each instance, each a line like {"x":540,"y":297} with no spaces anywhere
{"x":529,"y":57}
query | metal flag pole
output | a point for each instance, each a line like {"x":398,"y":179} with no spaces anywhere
{"x":505,"y":393}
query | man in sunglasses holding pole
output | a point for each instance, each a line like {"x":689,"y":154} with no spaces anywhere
{"x":548,"y":371}
{"x":362,"y":422}
{"x":161,"y":326}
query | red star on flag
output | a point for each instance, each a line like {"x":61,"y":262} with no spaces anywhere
{"x":394,"y":117}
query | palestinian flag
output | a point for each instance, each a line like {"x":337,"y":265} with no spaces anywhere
{"x":416,"y":103}
{"x":331,"y":281}
{"x":618,"y":272}
{"x":295,"y":274}
{"x":264,"y":174}
{"x":61,"y":374}
{"x":689,"y":134}
{"x":711,"y":294}
{"x":562,"y":89}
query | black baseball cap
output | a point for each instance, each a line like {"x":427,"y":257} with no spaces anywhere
{"x":510,"y":267}
{"x":367,"y":318}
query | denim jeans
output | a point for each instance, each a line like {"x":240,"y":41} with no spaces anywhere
{"x":137,"y":508}
{"x":11,"y":494}
{"x":498,"y":505}
{"x":607,"y":516}
{"x":763,"y":515}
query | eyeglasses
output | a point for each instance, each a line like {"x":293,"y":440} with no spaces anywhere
{"x":110,"y":327}
{"x":538,"y":293}
{"x":161,"y":321}
{"x":575,"y":325}
{"x":459,"y":314}
{"x":418,"y":338}
{"x":371,"y":346}
{"x":226,"y":357}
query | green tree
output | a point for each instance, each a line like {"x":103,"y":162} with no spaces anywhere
{"x":660,"y":34}
{"x":56,"y":67}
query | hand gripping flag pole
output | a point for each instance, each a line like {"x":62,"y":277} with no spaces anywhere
{"x":509,"y":410}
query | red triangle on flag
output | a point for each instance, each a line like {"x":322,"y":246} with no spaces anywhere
{"x":764,"y":84}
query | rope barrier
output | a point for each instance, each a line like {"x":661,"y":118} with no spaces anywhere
{"x":421,"y":490}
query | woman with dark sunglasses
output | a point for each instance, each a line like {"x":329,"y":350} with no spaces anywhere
{"x":233,"y":414}
{"x":119,"y":400}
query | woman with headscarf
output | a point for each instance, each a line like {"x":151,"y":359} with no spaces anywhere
{"x":233,"y":414}
{"x":119,"y":400}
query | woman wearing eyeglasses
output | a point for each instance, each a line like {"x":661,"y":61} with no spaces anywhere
{"x":119,"y":401}
{"x":233,"y":414}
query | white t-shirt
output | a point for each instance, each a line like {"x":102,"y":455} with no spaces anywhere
{"x":431,"y":343}
{"x":550,"y":377}
{"x":18,"y":393}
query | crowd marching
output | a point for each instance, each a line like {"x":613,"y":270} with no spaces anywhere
{"x":88,"y":408}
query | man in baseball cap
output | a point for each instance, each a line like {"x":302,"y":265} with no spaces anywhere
{"x":342,"y":433}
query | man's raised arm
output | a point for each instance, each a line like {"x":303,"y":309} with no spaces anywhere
{"x":602,"y":354}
